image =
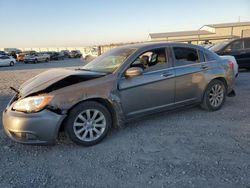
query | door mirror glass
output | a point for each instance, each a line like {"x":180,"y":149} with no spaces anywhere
{"x":133,"y":72}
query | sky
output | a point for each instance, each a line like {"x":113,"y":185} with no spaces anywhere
{"x":65,"y":23}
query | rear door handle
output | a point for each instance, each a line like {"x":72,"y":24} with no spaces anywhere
{"x":204,"y":66}
{"x":166,"y":74}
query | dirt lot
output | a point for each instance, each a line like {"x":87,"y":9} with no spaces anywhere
{"x":187,"y":148}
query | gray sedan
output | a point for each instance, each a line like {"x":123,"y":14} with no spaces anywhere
{"x":122,"y":84}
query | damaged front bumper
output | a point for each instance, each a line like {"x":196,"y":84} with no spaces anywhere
{"x":32,"y":128}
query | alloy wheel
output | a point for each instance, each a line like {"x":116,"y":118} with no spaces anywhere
{"x":216,"y":95}
{"x":89,"y":125}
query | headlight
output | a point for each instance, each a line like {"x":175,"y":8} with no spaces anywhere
{"x":32,"y":104}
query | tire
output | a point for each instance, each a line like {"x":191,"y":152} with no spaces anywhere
{"x":81,"y":122}
{"x":12,"y":63}
{"x":47,"y":60}
{"x":214,"y":96}
{"x":35,"y":61}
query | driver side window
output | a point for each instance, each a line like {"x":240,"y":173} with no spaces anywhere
{"x":151,"y":60}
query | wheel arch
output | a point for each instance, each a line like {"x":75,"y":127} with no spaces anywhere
{"x":217,"y":78}
{"x":223,"y":80}
{"x":104,"y":102}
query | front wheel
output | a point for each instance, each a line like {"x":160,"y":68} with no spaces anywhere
{"x":88,"y":123}
{"x":214,"y":96}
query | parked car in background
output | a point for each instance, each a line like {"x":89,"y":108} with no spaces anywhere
{"x":239,"y":48}
{"x":122,"y":84}
{"x":90,"y":54}
{"x":6,"y":60}
{"x":75,"y":54}
{"x":56,"y":55}
{"x":3,"y":53}
{"x":66,"y":53}
{"x":12,"y":52}
{"x":208,"y":46}
{"x":9,"y":50}
{"x":37,"y":57}
{"x":21,"y":55}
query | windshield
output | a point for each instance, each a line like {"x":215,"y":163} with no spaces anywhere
{"x":109,"y":61}
{"x":219,"y":46}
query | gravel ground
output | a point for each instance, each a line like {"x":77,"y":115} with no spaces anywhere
{"x":186,"y":148}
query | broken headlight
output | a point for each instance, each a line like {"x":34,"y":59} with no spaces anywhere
{"x":32,"y":104}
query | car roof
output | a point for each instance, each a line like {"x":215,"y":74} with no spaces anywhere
{"x":239,"y":39}
{"x":158,"y":44}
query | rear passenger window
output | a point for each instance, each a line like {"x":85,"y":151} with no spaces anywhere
{"x":4,"y":57}
{"x":185,"y":56}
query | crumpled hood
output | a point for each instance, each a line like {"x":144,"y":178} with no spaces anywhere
{"x":55,"y":79}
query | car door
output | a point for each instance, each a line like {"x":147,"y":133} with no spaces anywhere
{"x":235,"y":49}
{"x":151,"y":91}
{"x":188,"y":74}
{"x":40,"y":57}
{"x":246,"y":53}
{"x":43,"y":57}
{"x":4,"y":61}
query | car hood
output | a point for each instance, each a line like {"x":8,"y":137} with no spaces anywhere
{"x":55,"y":79}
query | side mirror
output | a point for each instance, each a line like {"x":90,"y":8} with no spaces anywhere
{"x":133,"y":72}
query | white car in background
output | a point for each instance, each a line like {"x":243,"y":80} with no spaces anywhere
{"x":37,"y":57}
{"x":233,"y":60}
{"x":6,"y":60}
{"x":90,"y":54}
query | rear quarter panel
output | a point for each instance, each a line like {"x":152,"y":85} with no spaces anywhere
{"x":219,"y":69}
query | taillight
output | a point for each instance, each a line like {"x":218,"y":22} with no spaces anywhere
{"x":231,"y":65}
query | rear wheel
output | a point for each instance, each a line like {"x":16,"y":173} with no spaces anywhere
{"x":36,"y":61}
{"x":47,"y":60}
{"x":88,"y":123}
{"x":214,"y":96}
{"x":12,"y":63}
